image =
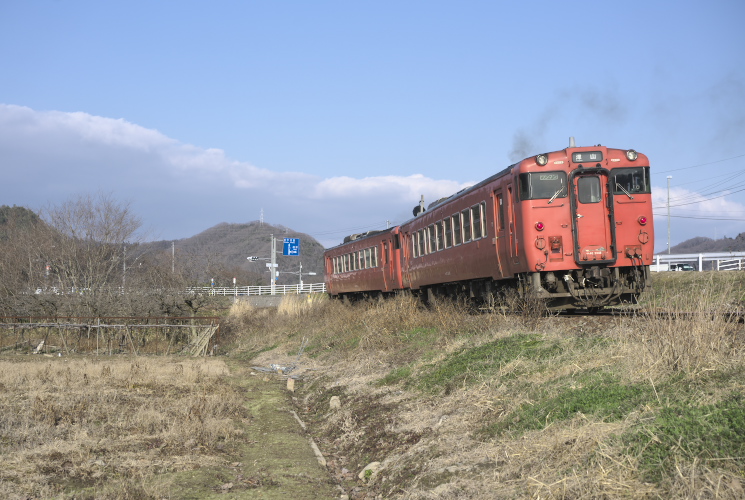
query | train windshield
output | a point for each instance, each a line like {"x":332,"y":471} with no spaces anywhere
{"x":630,"y":180}
{"x":543,"y":185}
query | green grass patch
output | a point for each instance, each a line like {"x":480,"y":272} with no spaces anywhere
{"x":595,"y":393}
{"x":712,"y":433}
{"x":469,"y":365}
{"x":395,"y":376}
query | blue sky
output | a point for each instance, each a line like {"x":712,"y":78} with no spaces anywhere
{"x":334,"y":116}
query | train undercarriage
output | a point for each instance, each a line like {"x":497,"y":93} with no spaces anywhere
{"x":591,"y":288}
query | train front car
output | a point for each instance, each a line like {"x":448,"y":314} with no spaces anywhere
{"x":585,"y":215}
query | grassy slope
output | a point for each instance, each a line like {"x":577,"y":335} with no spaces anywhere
{"x":457,"y":405}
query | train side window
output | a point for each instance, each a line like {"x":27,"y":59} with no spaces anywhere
{"x":422,"y":242}
{"x":476,"y":219}
{"x":375,"y":257}
{"x":484,"y":229}
{"x":466,"y":215}
{"x":396,"y":242}
{"x":448,"y":232}
{"x":457,"y":230}
{"x":500,"y":212}
{"x":431,"y":239}
{"x":361,"y":256}
{"x":368,"y":258}
{"x":440,"y":239}
{"x":588,"y":189}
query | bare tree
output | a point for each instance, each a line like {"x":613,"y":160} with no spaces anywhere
{"x":90,"y":235}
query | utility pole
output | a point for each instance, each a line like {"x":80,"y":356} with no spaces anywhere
{"x":668,"y":213}
{"x":273,"y":269}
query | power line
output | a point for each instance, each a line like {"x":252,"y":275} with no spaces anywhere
{"x":699,"y":165}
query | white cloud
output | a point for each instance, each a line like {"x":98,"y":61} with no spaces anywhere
{"x":182,"y":189}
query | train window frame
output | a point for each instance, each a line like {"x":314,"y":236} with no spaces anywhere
{"x":528,"y":183}
{"x":431,"y":239}
{"x":484,"y":227}
{"x":457,"y":230}
{"x":414,"y":246}
{"x":368,"y":258}
{"x":634,"y":188}
{"x":438,"y":230}
{"x":422,"y":243}
{"x":467,"y":231}
{"x":375,"y":257}
{"x":447,"y":232}
{"x":476,"y":222}
{"x":589,"y":189}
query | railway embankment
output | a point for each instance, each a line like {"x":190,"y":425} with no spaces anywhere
{"x":443,"y":403}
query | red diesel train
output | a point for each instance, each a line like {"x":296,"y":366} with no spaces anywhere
{"x":573,"y":227}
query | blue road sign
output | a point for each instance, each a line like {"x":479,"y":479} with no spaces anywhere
{"x":291,"y":246}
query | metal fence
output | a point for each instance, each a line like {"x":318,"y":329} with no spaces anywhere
{"x":721,"y":261}
{"x":260,"y":290}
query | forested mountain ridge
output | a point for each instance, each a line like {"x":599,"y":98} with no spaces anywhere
{"x":702,"y":244}
{"x":222,"y":252}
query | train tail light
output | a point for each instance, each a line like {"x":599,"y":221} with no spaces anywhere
{"x":540,"y":226}
{"x":642,"y":220}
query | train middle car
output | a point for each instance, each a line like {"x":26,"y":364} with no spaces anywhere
{"x":572,"y":227}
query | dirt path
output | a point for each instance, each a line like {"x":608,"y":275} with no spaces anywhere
{"x":275,"y":459}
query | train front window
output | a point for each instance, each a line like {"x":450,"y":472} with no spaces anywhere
{"x":626,"y":181}
{"x":543,"y":185}
{"x":588,"y":189}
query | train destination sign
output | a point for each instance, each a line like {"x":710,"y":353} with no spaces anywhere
{"x":586,"y":156}
{"x":291,"y":246}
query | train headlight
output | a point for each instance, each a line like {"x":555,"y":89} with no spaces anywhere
{"x":642,"y":220}
{"x":540,"y":226}
{"x":541,"y":159}
{"x":632,"y":155}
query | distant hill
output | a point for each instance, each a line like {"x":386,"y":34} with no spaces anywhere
{"x":222,"y":251}
{"x":702,"y":244}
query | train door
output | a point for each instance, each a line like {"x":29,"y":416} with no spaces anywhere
{"x":500,"y":231}
{"x":386,"y":264}
{"x":511,"y":229}
{"x":593,"y":224}
{"x":406,"y":255}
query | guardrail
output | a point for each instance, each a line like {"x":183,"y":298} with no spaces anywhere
{"x":730,"y":264}
{"x":260,"y":290}
{"x":720,"y":261}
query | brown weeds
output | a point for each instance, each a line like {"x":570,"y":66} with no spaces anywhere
{"x":111,"y":425}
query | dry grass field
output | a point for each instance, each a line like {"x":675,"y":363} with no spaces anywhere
{"x":450,"y":403}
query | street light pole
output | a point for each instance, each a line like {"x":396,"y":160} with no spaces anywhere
{"x":668,"y":213}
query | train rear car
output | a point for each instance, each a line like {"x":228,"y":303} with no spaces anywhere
{"x":365,"y":265}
